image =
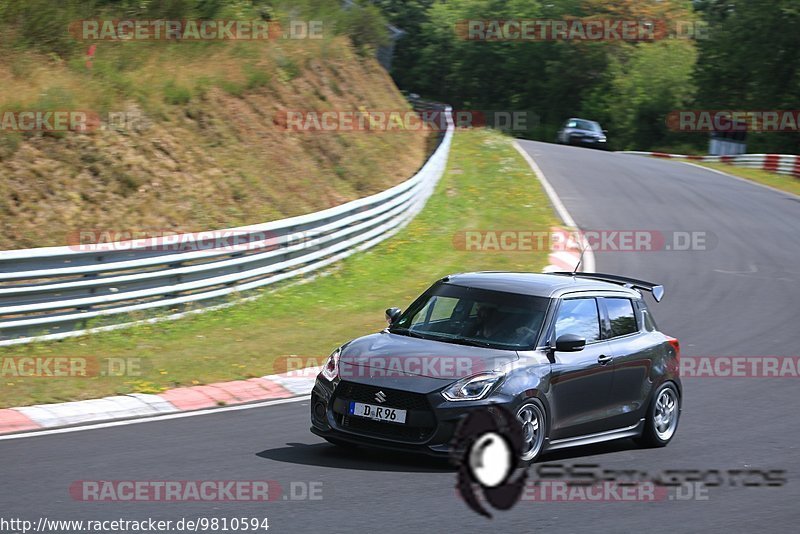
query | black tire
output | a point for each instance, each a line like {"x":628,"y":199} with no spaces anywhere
{"x":541,"y":415}
{"x":656,"y":433}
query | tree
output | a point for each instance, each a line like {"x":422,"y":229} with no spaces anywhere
{"x":751,"y":61}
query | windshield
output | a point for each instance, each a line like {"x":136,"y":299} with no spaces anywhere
{"x":584,"y":125}
{"x":473,"y":316}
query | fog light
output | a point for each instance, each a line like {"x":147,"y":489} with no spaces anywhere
{"x":319,"y":411}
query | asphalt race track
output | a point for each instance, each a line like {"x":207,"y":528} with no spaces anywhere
{"x":740,"y":298}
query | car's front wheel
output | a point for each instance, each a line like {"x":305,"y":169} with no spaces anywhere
{"x":532,"y":418}
{"x":662,"y":417}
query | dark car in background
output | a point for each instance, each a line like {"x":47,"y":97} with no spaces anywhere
{"x":582,"y":132}
{"x":576,"y":357}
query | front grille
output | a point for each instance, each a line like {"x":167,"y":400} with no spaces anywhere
{"x":394,"y":398}
{"x":404,"y":400}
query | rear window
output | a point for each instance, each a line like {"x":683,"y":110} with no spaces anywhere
{"x":621,"y":316}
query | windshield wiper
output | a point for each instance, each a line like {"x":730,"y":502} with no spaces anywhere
{"x":452,"y":339}
{"x":473,"y":342}
{"x":408,"y":332}
{"x":437,"y":336}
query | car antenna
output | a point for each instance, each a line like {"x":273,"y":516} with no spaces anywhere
{"x":580,"y":259}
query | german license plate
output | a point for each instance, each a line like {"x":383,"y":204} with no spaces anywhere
{"x":378,"y":413}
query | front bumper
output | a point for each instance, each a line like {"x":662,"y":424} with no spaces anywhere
{"x":431,"y":420}
{"x":587,"y":141}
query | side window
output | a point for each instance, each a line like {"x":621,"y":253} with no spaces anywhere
{"x":443,"y":308}
{"x":437,"y":309}
{"x":621,"y":316}
{"x":578,"y":316}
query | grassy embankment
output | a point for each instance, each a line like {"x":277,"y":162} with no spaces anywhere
{"x":203,"y":146}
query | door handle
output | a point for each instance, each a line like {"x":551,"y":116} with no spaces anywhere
{"x":603,"y":359}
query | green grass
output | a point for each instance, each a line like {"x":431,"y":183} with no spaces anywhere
{"x":778,"y":181}
{"x":486,"y":186}
{"x":176,"y":94}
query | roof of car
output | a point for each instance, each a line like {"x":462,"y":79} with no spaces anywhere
{"x":534,"y":284}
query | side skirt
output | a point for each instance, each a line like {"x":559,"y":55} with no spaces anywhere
{"x":588,"y":439}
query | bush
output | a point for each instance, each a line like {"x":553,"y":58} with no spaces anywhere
{"x":366,"y":27}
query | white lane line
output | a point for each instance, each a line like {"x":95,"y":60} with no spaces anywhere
{"x":164,"y":417}
{"x":588,"y":256}
{"x":752,"y":182}
{"x":560,"y":208}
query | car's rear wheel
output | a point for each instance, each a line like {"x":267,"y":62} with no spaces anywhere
{"x":531,"y":416}
{"x":662,"y":417}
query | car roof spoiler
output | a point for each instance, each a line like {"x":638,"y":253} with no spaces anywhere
{"x":656,"y":289}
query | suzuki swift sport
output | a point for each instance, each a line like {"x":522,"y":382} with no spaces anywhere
{"x":577,"y":358}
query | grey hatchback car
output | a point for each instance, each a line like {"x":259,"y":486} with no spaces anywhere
{"x":577,"y":357}
{"x":582,"y":132}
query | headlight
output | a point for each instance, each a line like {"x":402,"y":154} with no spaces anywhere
{"x":473,"y":387}
{"x":331,"y":368}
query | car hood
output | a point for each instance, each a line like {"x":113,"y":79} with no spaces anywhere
{"x":387,"y":355}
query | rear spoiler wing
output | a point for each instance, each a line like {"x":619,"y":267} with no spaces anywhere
{"x":656,"y":289}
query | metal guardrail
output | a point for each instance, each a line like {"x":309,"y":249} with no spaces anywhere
{"x":56,"y":292}
{"x":778,"y":163}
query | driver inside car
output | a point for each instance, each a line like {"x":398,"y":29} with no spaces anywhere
{"x":488,"y":322}
{"x":494,"y":325}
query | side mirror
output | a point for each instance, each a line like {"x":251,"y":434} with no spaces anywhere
{"x":605,"y":132}
{"x":392,"y":315}
{"x":570,"y":343}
